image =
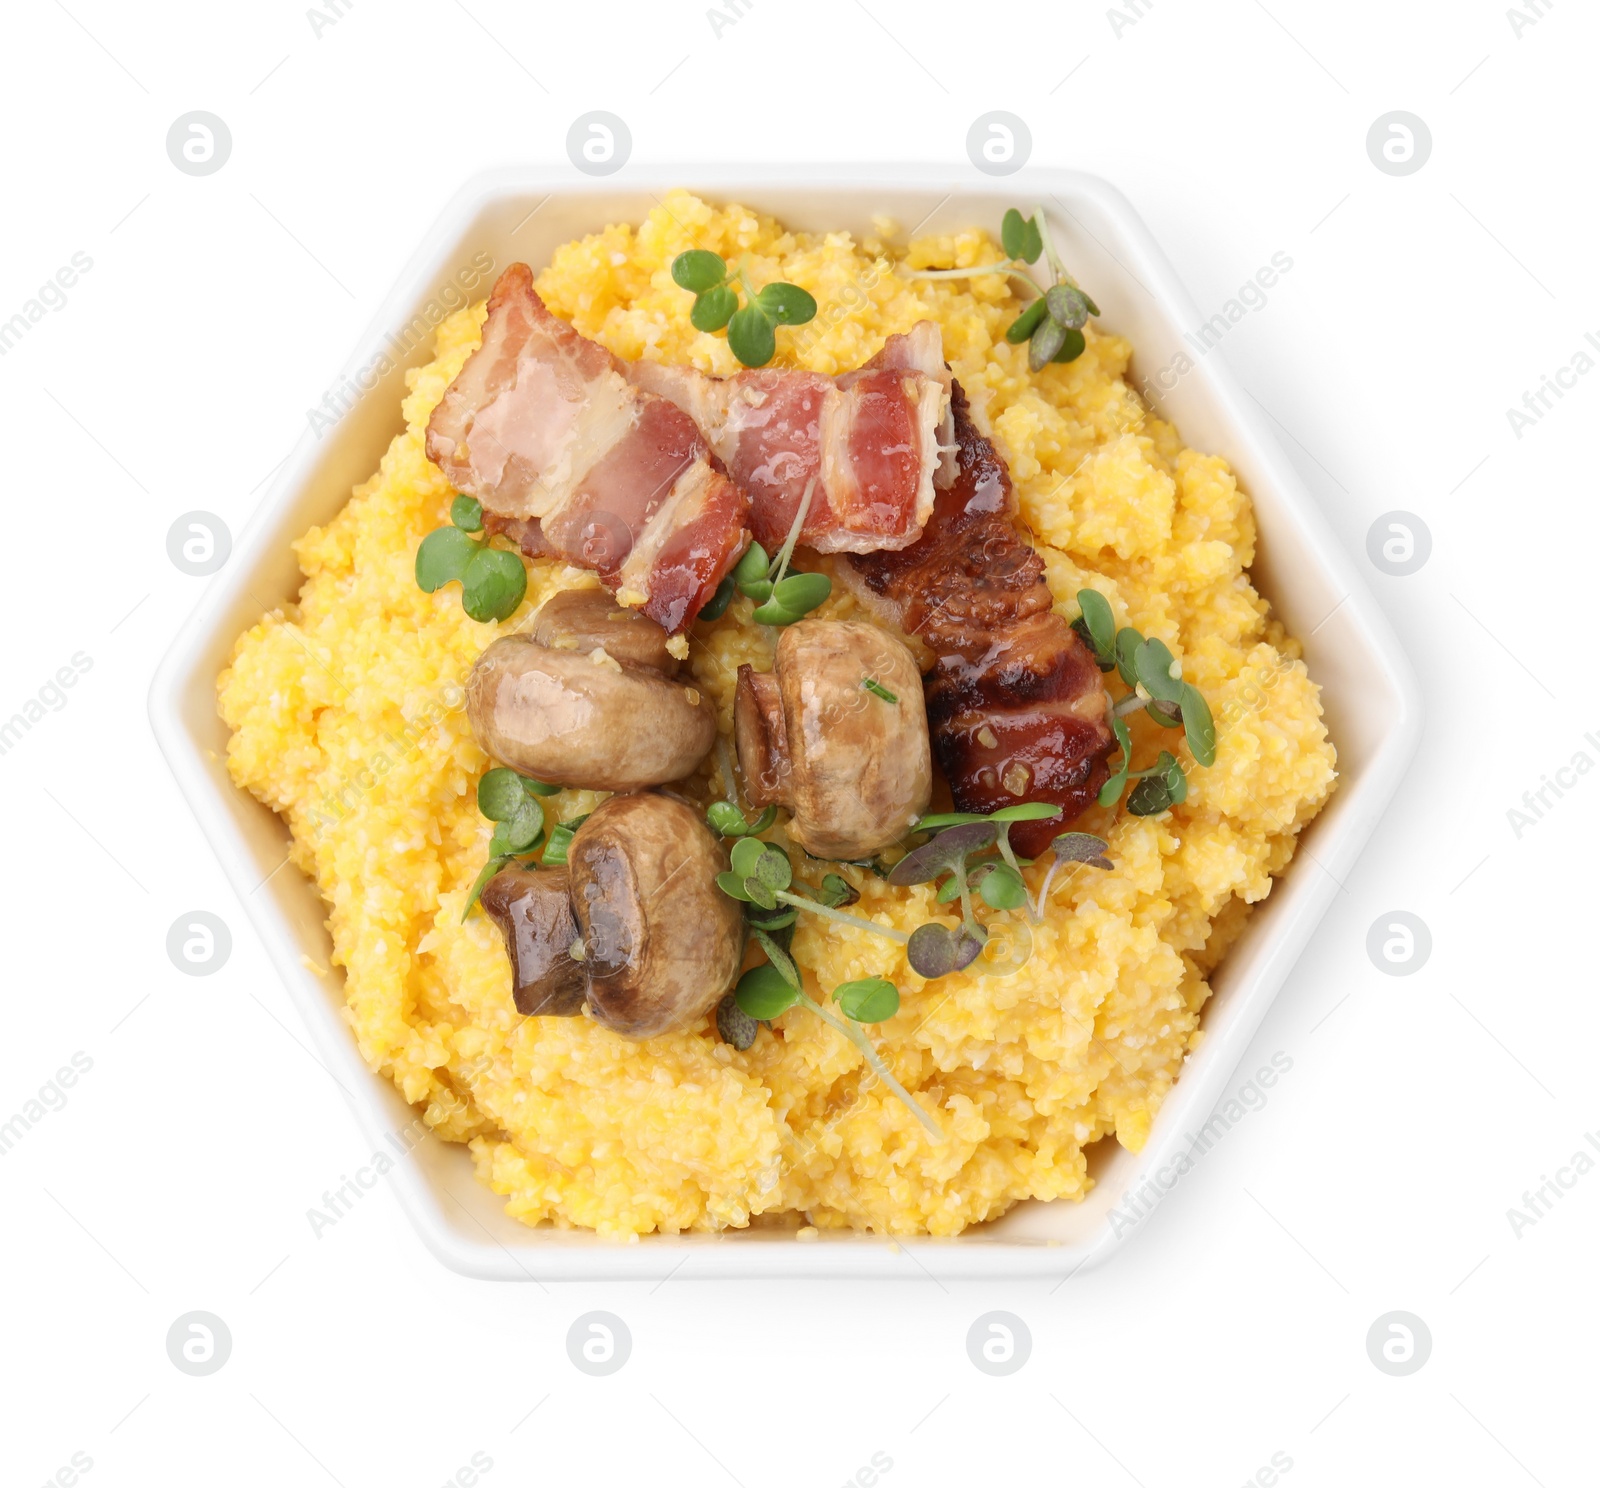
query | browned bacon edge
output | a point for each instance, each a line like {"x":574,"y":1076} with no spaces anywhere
{"x":1016,"y":707}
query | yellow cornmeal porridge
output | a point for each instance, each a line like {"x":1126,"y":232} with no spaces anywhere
{"x":347,"y":718}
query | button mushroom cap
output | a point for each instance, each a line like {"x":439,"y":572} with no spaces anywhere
{"x":569,"y":718}
{"x":661,"y":942}
{"x":852,"y":767}
{"x":533,"y":909}
{"x":581,"y":619}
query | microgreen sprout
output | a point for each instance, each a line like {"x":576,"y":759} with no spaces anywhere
{"x":752,"y":327}
{"x":1155,"y":679}
{"x":492,"y":580}
{"x":511,"y":802}
{"x":878,"y":690}
{"x":1052,"y":325}
{"x":725,"y":818}
{"x":781,"y":597}
{"x":768,"y":991}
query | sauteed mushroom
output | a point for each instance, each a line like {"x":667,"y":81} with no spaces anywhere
{"x":838,"y":734}
{"x":581,"y":619}
{"x":533,"y":909}
{"x":589,"y":701}
{"x":634,"y":925}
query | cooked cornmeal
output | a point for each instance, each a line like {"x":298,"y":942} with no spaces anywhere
{"x":348,"y":718}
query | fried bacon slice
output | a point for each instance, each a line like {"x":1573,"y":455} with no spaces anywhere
{"x":1016,"y":708}
{"x":572,"y":460}
{"x":871,"y":440}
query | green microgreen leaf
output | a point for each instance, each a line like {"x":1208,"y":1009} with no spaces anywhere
{"x":870,"y":1000}
{"x":1176,"y":781}
{"x":802,"y":592}
{"x":1032,"y":241}
{"x":752,"y":565}
{"x":561,"y":835}
{"x":761,"y":893}
{"x":779,"y":957}
{"x":1001,"y":887}
{"x":945,"y":819}
{"x":713,"y":308}
{"x":772,"y":923}
{"x":523,"y":831}
{"x":493,"y":584}
{"x":715,"y":607}
{"x":1047,"y":339}
{"x":936,"y":950}
{"x":1027,"y":323}
{"x":481,"y":882}
{"x":1150,"y":797}
{"x":442,"y":558}
{"x":773,"y":613}
{"x":949,"y":890}
{"x":946,"y":853}
{"x":763,"y":993}
{"x":1069,"y":307}
{"x":1154,"y":666}
{"x":538,"y":787}
{"x":1094,"y":309}
{"x":878,"y":690}
{"x":836,"y":891}
{"x":1081,"y":847}
{"x":698,"y":269}
{"x":772,"y":867}
{"x":1072,"y":347}
{"x":1128,"y":641}
{"x":1168,"y":715}
{"x":467,"y":513}
{"x":500,"y":794}
{"x":1101,"y":626}
{"x":1111,"y":791}
{"x":734,"y":1025}
{"x":732,"y":884}
{"x":760,"y":590}
{"x":1012,"y":231}
{"x":751,"y":336}
{"x":1198,"y":727}
{"x":726,"y":818}
{"x":746,"y":855}
{"x":1025,"y":811}
{"x":786,"y":304}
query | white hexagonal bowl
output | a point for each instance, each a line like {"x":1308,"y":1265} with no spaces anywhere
{"x":1371,"y":707}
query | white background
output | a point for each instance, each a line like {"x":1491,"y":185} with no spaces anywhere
{"x":1379,"y":1173}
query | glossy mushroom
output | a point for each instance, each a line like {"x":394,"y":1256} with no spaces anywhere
{"x":589,"y":702}
{"x":850,"y":763}
{"x":533,"y":909}
{"x":634,"y":925}
{"x":661,"y":942}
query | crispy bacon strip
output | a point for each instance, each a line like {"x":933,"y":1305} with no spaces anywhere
{"x":572,"y":460}
{"x":870,"y":439}
{"x":1016,"y":707}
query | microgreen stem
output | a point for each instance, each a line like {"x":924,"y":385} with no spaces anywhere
{"x":1130,"y":704}
{"x":857,"y":1036}
{"x":1003,"y":842}
{"x":1056,"y":265}
{"x":799,"y":901}
{"x":781,"y":566}
{"x":968,"y":921}
{"x":977,"y":270}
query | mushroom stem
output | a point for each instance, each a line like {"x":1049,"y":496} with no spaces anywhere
{"x":799,"y":901}
{"x":857,"y":1036}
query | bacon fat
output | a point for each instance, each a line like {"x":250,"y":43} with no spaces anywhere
{"x":572,"y":460}
{"x":870,"y":440}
